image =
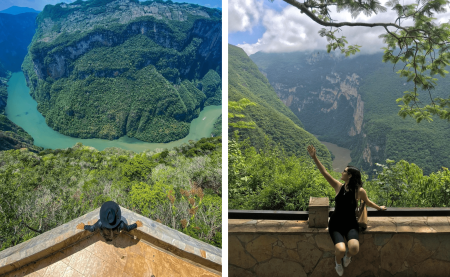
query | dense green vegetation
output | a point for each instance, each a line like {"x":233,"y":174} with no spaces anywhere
{"x":147,"y":78}
{"x":180,"y":188}
{"x":269,"y":179}
{"x":424,"y":144}
{"x":217,"y":131}
{"x":271,"y":116}
{"x":384,"y":133}
{"x":403,"y":184}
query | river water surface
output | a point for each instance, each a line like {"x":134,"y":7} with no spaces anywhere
{"x":341,"y":156}
{"x":21,"y":109}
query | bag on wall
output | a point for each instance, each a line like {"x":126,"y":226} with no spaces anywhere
{"x":361,"y":215}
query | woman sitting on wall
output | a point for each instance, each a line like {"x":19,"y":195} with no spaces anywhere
{"x":343,"y":222}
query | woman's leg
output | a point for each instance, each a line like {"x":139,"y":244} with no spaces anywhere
{"x":353,"y":242}
{"x":339,"y":245}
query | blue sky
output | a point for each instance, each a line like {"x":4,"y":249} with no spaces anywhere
{"x":252,"y":35}
{"x":261,"y":25}
{"x":40,"y":4}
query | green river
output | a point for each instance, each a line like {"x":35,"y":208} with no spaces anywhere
{"x":21,"y":109}
{"x":341,"y":155}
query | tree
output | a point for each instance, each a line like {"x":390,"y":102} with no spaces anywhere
{"x":239,"y":106}
{"x":423,"y":47}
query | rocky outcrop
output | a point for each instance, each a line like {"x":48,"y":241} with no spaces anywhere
{"x":119,"y":11}
{"x":328,"y":97}
{"x":56,"y":64}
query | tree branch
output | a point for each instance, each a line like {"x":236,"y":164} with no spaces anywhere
{"x":305,"y":10}
{"x":32,"y":229}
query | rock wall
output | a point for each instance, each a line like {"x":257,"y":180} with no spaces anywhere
{"x":401,"y":247}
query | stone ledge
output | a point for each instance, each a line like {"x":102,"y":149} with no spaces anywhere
{"x":67,"y":234}
{"x":375,"y":225}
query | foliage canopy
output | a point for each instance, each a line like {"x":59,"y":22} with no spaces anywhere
{"x":269,"y":179}
{"x":45,"y":190}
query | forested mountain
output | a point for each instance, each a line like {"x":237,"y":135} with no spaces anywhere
{"x":109,"y":68}
{"x":16,"y":32}
{"x":351,"y":102}
{"x":18,"y":10}
{"x":271,"y":116}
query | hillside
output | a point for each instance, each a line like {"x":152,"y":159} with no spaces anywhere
{"x":109,"y":68}
{"x":271,"y":116}
{"x":53,"y":187}
{"x":351,"y":102}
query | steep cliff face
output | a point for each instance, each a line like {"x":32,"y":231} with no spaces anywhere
{"x":323,"y":97}
{"x":108,"y":68}
{"x":351,"y":102}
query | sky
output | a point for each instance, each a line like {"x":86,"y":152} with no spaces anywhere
{"x":40,"y":4}
{"x":261,"y":25}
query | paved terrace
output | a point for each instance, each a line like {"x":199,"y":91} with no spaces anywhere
{"x":153,"y":250}
{"x":391,"y":246}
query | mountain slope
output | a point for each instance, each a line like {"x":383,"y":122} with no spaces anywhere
{"x":18,"y":10}
{"x":271,"y":116}
{"x":351,"y":102}
{"x":16,"y":32}
{"x":109,"y":68}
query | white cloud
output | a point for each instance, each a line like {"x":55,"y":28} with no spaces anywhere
{"x":286,"y":31}
{"x":243,"y":15}
{"x":289,"y":31}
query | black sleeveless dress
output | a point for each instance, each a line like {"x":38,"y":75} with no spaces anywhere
{"x":343,"y":219}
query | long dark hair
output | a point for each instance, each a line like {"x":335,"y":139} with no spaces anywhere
{"x":355,"y":181}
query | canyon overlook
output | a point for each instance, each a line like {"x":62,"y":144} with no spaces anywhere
{"x":141,"y":69}
{"x":352,"y":102}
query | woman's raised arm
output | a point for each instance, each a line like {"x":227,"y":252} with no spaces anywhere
{"x":333,"y":182}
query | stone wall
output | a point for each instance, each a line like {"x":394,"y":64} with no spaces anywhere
{"x":389,"y":247}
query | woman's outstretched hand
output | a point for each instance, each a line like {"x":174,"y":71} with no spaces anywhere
{"x":311,"y":151}
{"x":382,"y":208}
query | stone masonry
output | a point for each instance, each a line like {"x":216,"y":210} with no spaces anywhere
{"x":391,"y":246}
